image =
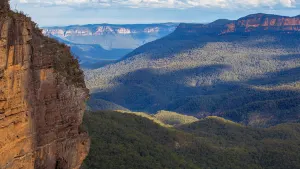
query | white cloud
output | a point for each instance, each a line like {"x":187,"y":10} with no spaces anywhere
{"x":288,"y":3}
{"x":173,"y":3}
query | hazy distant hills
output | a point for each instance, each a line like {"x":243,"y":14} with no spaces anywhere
{"x":112,"y":36}
{"x":99,"y":44}
{"x":247,"y":70}
{"x":92,"y":56}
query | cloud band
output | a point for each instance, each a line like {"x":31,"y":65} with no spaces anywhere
{"x":172,"y":3}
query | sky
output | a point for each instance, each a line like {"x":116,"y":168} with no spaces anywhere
{"x":79,"y":12}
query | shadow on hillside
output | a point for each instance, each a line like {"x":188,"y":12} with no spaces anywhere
{"x":178,"y":42}
{"x":276,"y":78}
{"x":146,"y":87}
{"x":149,"y":90}
{"x":289,"y":57}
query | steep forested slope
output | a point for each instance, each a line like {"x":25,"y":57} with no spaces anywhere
{"x":246,"y":70}
{"x":122,"y":141}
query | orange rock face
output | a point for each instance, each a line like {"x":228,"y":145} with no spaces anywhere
{"x":42,"y":94}
{"x":252,"y":23}
{"x":261,"y":22}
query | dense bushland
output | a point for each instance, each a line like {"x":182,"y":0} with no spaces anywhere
{"x":125,"y":140}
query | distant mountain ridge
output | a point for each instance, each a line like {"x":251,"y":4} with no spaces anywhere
{"x":252,"y":23}
{"x":111,"y":36}
{"x":100,"y":29}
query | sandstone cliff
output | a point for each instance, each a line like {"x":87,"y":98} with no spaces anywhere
{"x":264,"y":22}
{"x":255,"y":23}
{"x":42,"y":94}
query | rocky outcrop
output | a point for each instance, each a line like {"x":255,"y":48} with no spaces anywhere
{"x":264,"y":22}
{"x":42,"y":93}
{"x":255,"y":23}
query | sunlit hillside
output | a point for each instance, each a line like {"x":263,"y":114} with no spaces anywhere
{"x":123,"y":140}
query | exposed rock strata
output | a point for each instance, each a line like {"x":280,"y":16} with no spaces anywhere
{"x":263,"y":22}
{"x":252,"y":23}
{"x":42,"y":95}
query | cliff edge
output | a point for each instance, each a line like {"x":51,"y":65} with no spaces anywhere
{"x":42,"y":94}
{"x":255,"y":23}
